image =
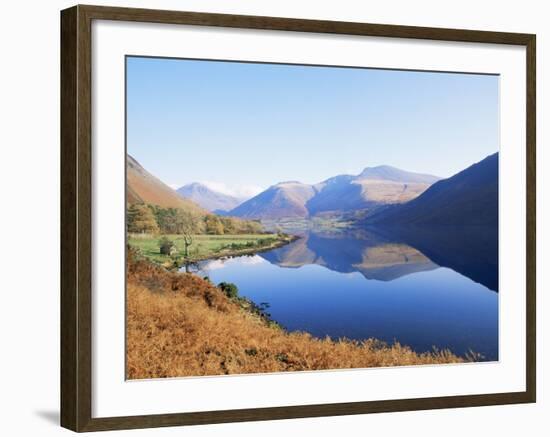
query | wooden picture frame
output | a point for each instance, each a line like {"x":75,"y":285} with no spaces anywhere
{"x":76,"y":217}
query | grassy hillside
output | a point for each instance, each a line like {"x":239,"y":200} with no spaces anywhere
{"x":143,"y":187}
{"x":181,"y":325}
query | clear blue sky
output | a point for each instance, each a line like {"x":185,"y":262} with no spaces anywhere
{"x":245,"y":124}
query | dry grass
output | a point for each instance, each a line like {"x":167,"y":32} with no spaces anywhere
{"x":181,"y":325}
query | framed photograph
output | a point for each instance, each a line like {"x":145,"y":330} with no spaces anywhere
{"x":269,"y":218}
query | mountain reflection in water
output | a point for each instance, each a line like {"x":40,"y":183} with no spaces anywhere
{"x":387,"y":254}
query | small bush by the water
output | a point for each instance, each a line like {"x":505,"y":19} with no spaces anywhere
{"x":263,"y":242}
{"x":230,"y":289}
{"x":266,"y":242}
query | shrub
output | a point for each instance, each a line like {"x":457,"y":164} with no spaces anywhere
{"x":230,"y":289}
{"x":167,"y":246}
{"x":265,"y":242}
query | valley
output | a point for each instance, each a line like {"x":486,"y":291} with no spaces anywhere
{"x":291,"y":217}
{"x":350,"y":263}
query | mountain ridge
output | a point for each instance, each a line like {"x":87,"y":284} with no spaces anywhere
{"x":389,"y":173}
{"x":374,"y":186}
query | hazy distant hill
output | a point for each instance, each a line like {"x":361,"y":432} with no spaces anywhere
{"x":375,"y":186}
{"x":208,"y":198}
{"x":467,"y":198}
{"x":142,"y":186}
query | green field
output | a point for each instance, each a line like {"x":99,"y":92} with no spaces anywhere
{"x":205,"y":246}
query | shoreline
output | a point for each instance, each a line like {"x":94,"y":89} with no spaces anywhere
{"x":206,"y":247}
{"x":230,"y":253}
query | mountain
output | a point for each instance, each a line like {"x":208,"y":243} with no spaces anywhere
{"x":142,"y":186}
{"x":373,"y":187}
{"x":467,"y":198}
{"x":208,"y":198}
{"x":286,"y":199}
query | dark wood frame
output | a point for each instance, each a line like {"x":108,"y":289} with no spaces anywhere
{"x":76,"y":218}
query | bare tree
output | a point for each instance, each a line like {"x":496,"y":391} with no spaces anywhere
{"x":185,"y":223}
{"x":187,"y":241}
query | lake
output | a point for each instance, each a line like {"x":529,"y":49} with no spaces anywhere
{"x":424,"y":288}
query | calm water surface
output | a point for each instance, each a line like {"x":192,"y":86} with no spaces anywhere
{"x":423,"y":288}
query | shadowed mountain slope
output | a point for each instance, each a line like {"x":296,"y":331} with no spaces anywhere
{"x":467,"y":198}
